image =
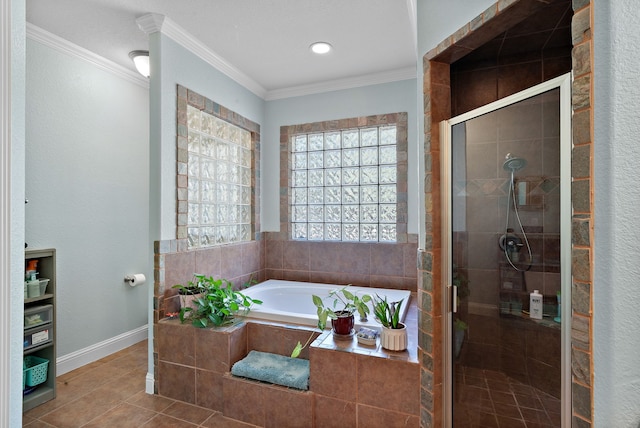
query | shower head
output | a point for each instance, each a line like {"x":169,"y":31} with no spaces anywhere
{"x":513,"y":163}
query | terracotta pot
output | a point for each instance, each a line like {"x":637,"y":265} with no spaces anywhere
{"x":343,"y":325}
{"x":394,"y":339}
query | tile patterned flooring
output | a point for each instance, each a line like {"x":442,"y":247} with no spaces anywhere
{"x":109,"y":393}
{"x":491,"y":399}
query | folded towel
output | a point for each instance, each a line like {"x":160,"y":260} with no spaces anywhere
{"x":273,"y":368}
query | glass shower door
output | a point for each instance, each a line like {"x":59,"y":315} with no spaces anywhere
{"x":506,"y":332}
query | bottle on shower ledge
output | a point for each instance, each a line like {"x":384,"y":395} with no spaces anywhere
{"x":535,"y":305}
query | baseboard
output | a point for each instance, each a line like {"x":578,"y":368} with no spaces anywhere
{"x":79,"y":358}
{"x":149,"y":389}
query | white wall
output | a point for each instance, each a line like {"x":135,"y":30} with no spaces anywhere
{"x":87,"y":183}
{"x":364,"y":101}
{"x":616,"y":341}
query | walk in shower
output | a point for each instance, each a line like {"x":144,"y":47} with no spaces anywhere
{"x":508,"y":197}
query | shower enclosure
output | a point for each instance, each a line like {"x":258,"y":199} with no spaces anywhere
{"x":507,"y":223}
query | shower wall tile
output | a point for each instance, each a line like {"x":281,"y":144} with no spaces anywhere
{"x":483,"y":285}
{"x":483,"y":214}
{"x":482,"y":250}
{"x":473,"y":89}
{"x":554,"y":67}
{"x":517,"y":77}
{"x":483,"y":162}
{"x":482,"y":129}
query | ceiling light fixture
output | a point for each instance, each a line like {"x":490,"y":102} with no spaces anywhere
{"x":320,"y":48}
{"x":141,"y":61}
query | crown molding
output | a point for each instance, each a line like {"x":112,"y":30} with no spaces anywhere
{"x":58,"y":43}
{"x":341,"y":84}
{"x":154,"y":22}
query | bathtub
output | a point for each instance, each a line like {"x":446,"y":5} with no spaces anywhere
{"x":290,"y":301}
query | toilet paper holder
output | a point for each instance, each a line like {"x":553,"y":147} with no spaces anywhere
{"x":136,"y":279}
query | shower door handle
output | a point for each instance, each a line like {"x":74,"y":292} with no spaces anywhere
{"x":454,"y":298}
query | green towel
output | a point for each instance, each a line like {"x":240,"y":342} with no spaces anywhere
{"x":273,"y":368}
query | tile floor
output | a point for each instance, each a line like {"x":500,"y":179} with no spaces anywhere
{"x":110,"y":393}
{"x":490,"y":399}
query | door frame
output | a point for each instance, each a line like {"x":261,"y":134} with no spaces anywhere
{"x":563,"y":83}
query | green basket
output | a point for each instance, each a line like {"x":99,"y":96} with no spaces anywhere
{"x":34,"y":371}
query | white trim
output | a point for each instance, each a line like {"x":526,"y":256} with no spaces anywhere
{"x":340,"y":84}
{"x":154,"y":22}
{"x":5,"y":212}
{"x":58,"y":43}
{"x":412,"y":8}
{"x":82,"y":357}
{"x":150,"y":384}
{"x":566,"y":214}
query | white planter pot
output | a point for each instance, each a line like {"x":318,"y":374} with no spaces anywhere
{"x":394,"y":339}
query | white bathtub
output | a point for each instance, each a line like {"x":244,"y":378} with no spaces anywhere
{"x":291,"y":302}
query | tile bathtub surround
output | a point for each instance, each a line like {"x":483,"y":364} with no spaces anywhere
{"x":239,"y":263}
{"x":194,"y":367}
{"x":356,"y":263}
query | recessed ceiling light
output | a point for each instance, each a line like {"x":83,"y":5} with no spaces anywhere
{"x":320,"y":48}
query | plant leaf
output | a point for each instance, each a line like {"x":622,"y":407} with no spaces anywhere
{"x":296,"y":351}
{"x":317,"y":301}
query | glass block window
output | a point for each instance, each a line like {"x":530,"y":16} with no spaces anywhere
{"x":344,"y":185}
{"x":219,"y":184}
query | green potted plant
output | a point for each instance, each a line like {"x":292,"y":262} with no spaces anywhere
{"x":217,"y":303}
{"x":343,"y":305}
{"x":188,"y":294}
{"x":394,"y":333}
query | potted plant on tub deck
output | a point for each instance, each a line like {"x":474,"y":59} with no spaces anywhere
{"x":341,"y":311}
{"x":216,"y":302}
{"x":394,"y":333}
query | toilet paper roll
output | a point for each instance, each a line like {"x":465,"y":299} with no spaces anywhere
{"x":137,"y":279}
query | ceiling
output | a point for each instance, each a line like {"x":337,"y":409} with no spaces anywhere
{"x":266,"y":40}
